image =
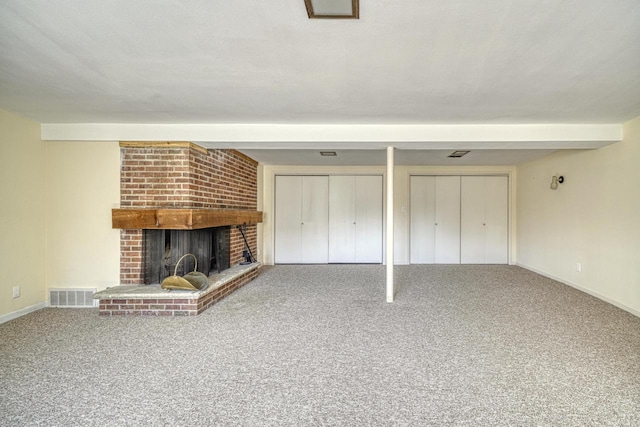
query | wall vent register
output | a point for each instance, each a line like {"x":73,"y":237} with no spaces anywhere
{"x":72,"y":298}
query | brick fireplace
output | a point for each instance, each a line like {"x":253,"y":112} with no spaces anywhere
{"x":180,"y":186}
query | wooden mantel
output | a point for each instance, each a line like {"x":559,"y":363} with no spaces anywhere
{"x":181,"y":219}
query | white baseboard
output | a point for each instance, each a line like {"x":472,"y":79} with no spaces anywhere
{"x":583,"y":289}
{"x":18,"y":313}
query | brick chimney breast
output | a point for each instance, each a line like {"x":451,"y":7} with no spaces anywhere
{"x":186,"y":176}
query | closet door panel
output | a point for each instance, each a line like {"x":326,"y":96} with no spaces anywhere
{"x":368,"y":219}
{"x":496,"y":218}
{"x":447,"y":235}
{"x":472,"y":221}
{"x":288,"y":219}
{"x":342,"y":219}
{"x":484,"y":221}
{"x":315,"y":220}
{"x":422,"y":219}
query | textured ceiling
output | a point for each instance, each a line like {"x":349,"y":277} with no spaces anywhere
{"x":248,"y":61}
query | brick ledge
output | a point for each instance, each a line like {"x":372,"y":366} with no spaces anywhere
{"x":155,"y":301}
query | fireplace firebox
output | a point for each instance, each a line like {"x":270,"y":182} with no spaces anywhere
{"x":163,"y":248}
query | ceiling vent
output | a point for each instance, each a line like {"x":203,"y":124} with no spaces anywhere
{"x":328,"y":153}
{"x":333,"y":9}
{"x":457,"y":154}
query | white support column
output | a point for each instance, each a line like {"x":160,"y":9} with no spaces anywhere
{"x":389,"y":252}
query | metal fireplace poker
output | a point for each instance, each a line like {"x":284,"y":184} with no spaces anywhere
{"x":248,"y":256}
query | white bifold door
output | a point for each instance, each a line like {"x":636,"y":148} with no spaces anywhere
{"x":302,"y":220}
{"x":484,"y":222}
{"x":355,"y":219}
{"x":435,"y":219}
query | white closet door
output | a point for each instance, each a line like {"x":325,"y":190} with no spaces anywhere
{"x":484,"y":221}
{"x":422,"y":219}
{"x":368,"y":219}
{"x":342,"y":219}
{"x":473,"y":226}
{"x":315,"y":220}
{"x":496,"y":220}
{"x":447,"y":235}
{"x":288,"y":220}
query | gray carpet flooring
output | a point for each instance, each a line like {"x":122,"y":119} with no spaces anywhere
{"x":317,"y":345}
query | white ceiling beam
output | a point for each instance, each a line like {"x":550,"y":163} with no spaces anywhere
{"x":275,"y":136}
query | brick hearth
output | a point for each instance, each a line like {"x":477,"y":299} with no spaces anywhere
{"x":152,"y":300}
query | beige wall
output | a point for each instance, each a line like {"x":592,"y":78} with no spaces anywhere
{"x":22,"y":213}
{"x":401,"y":195}
{"x":55,"y":216}
{"x":592,"y":219}
{"x":83,"y":185}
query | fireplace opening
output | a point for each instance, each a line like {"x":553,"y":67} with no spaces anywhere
{"x":163,"y":248}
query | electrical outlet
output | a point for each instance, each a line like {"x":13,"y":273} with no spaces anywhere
{"x":578,"y":267}
{"x":16,"y":291}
